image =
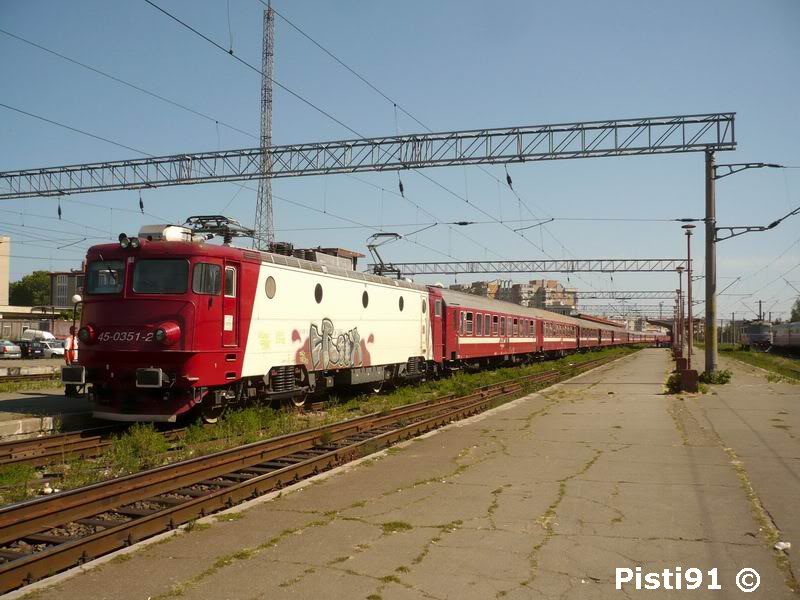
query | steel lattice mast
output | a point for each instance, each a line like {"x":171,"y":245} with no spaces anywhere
{"x":264,"y":225}
{"x":626,"y":137}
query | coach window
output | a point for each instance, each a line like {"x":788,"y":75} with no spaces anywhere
{"x":161,"y":276}
{"x":365,"y":299}
{"x":206,"y":279}
{"x":469,"y":323}
{"x":461,"y":323}
{"x":495,"y":324}
{"x":230,"y":282}
{"x":478,"y":324}
{"x":424,"y":307}
{"x":516,"y":328}
{"x":502,"y":326}
{"x":401,"y":304}
{"x":487,"y":324}
{"x":318,"y":293}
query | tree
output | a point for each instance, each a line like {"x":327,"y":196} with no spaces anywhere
{"x":795,"y":311}
{"x":31,"y":290}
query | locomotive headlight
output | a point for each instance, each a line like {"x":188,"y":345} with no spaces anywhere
{"x":124,"y":240}
{"x":167,"y":334}
{"x":134,"y":242}
{"x":87,"y":334}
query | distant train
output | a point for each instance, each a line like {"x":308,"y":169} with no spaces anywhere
{"x":172,"y":325}
{"x":786,"y":336}
{"x":757,"y":334}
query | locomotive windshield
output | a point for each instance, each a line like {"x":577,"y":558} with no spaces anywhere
{"x":105,"y":277}
{"x":160,"y":276}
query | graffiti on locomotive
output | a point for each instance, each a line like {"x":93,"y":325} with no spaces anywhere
{"x":332,"y":348}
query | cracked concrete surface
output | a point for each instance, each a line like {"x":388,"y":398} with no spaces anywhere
{"x":542,"y":498}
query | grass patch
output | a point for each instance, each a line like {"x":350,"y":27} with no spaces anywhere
{"x":140,"y":447}
{"x":228,"y":517}
{"x":673,"y":383}
{"x":720,"y":377}
{"x":28,"y":386}
{"x":395,"y":526}
{"x":784,"y":366}
{"x":16,"y":481}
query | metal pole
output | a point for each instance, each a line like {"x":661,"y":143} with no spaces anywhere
{"x":690,"y":332}
{"x":711,"y":267}
{"x":733,"y":328}
{"x":681,"y":336}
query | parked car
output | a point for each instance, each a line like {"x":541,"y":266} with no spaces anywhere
{"x":53,"y":348}
{"x":31,"y":348}
{"x":9,"y":349}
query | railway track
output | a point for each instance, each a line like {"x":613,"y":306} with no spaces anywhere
{"x":46,"y":535}
{"x":31,"y":377}
{"x":48,"y":449}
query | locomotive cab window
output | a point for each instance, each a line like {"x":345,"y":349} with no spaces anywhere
{"x":438,"y":308}
{"x":230,"y":282}
{"x":160,"y":276}
{"x":206,"y":279}
{"x":105,"y":277}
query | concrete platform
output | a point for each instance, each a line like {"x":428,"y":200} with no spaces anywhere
{"x":41,"y":411}
{"x":542,"y":498}
{"x":30,"y":366}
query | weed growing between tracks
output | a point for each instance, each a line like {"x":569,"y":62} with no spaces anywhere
{"x":143,"y":446}
{"x":28,"y":386}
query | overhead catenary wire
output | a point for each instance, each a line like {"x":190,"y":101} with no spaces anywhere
{"x":133,"y":86}
{"x":397,"y":106}
{"x":254,"y":68}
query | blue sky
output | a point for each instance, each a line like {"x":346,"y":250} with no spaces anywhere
{"x":453,"y":65}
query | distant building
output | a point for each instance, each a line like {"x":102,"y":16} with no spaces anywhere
{"x":63,"y":286}
{"x":496,"y":288}
{"x":547,"y":294}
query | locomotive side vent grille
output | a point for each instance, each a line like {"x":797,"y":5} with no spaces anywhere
{"x":282,"y":379}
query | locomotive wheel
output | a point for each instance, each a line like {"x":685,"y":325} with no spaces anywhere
{"x":210,"y":413}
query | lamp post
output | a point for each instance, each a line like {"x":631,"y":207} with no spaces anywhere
{"x":680,"y":310}
{"x":688,"y":228}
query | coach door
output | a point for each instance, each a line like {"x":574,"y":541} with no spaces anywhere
{"x":230,"y":305}
{"x":438,"y":328}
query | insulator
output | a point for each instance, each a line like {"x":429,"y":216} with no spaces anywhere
{"x":141,"y":204}
{"x":59,"y":210}
{"x":400,"y":181}
{"x":508,"y":180}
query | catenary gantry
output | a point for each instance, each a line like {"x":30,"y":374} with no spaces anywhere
{"x":649,"y":135}
{"x":592,"y":265}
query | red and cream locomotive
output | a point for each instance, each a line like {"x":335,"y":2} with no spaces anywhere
{"x":172,"y":324}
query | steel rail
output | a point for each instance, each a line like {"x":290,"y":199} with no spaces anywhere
{"x":228,"y":477}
